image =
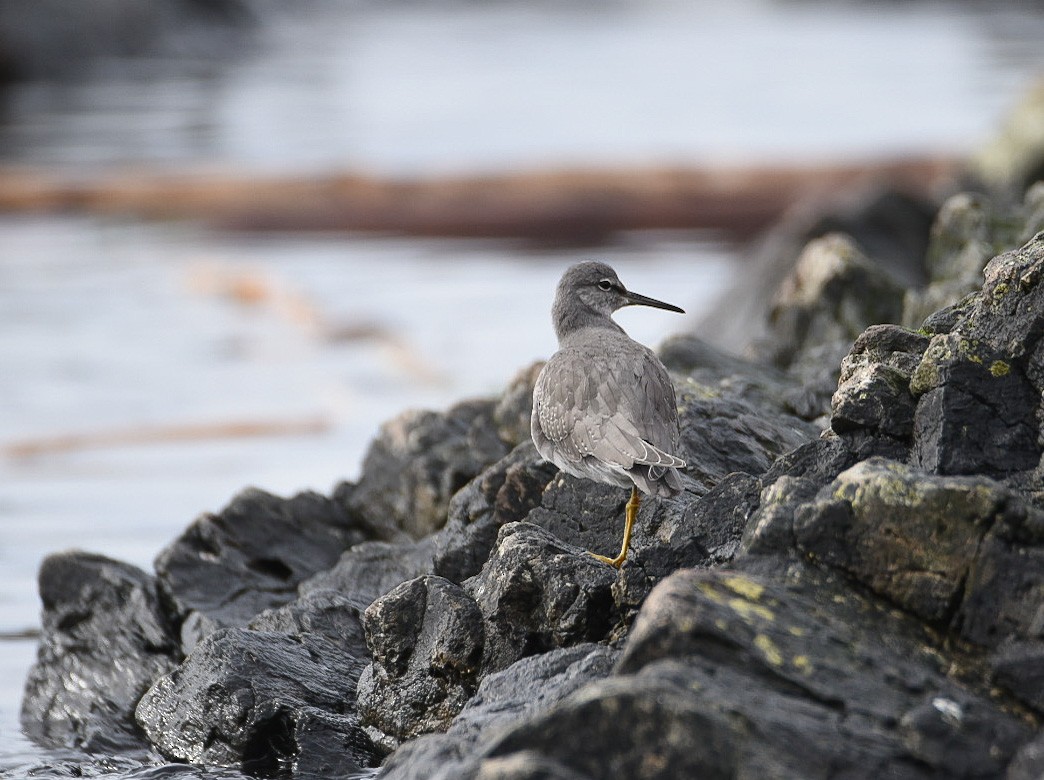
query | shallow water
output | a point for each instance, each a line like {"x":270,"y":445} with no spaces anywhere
{"x":110,"y":330}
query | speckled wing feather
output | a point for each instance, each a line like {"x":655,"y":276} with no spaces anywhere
{"x":620,"y":409}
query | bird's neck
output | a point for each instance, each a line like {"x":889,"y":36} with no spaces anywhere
{"x":569,"y":319}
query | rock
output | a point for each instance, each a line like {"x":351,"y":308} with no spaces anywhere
{"x":514,"y":408}
{"x":226,"y":568}
{"x":526,"y":688}
{"x":426,"y":637}
{"x":907,"y":535}
{"x":526,"y":766}
{"x":371,"y":569}
{"x":726,"y":674}
{"x":833,"y":294}
{"x":975,"y":410}
{"x":105,"y":639}
{"x":891,"y":227}
{"x":416,"y":464}
{"x":504,"y":493}
{"x":1029,"y":762}
{"x":265,"y":699}
{"x":722,"y":433}
{"x":1019,"y":667}
{"x":536,"y":593}
{"x":873,"y":393}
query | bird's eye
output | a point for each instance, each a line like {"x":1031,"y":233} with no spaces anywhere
{"x":605,"y":284}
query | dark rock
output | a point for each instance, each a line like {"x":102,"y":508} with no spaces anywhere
{"x":909,"y":536}
{"x":426,"y":637}
{"x":226,"y":568}
{"x":873,"y":392}
{"x":504,"y":493}
{"x":976,"y":410}
{"x":1004,"y":592}
{"x":1019,"y":667}
{"x":371,"y":569}
{"x":105,"y":639}
{"x":268,"y":698}
{"x":418,"y":461}
{"x":1028,"y":763}
{"x":730,"y":675}
{"x":526,"y":688}
{"x":722,"y":433}
{"x":537,"y":593}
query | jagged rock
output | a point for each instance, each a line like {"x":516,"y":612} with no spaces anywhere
{"x":975,"y":410}
{"x":526,"y":688}
{"x":910,"y":536}
{"x":537,"y":593}
{"x":267,"y":698}
{"x":504,"y":493}
{"x":426,"y":637}
{"x":226,"y":568}
{"x":873,"y":392}
{"x":418,"y":461}
{"x":731,"y":675}
{"x":722,"y":433}
{"x":371,"y":569}
{"x":1019,"y":667}
{"x":105,"y":639}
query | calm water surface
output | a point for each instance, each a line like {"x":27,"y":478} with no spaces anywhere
{"x":109,"y":328}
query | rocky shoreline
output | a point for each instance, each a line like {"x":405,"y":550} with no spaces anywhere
{"x":851,"y":584}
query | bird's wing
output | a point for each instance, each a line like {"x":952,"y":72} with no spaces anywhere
{"x":619,"y":409}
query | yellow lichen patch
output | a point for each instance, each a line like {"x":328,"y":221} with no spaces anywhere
{"x":748,"y":610}
{"x":802,"y":664}
{"x":796,"y":630}
{"x":744,"y":587}
{"x":769,"y":650}
{"x":999,"y":368}
{"x":1000,"y":290}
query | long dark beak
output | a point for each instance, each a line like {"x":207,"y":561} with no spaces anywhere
{"x":634,"y":299}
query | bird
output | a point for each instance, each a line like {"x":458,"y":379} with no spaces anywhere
{"x":603,"y":405}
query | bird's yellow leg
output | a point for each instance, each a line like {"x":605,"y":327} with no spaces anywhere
{"x":632,"y":513}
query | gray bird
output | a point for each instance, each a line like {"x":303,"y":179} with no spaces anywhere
{"x":603,"y":405}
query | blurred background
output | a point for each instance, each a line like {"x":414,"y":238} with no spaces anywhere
{"x":236,"y":235}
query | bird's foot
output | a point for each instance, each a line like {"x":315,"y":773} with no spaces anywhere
{"x":616,"y":562}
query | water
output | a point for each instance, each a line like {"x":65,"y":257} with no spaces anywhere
{"x":110,"y":329}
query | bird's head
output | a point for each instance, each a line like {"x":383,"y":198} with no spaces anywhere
{"x":595,"y":286}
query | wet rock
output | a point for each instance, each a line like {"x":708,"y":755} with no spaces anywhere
{"x":426,"y":637}
{"x":504,"y":493}
{"x":416,"y":464}
{"x":371,"y":569}
{"x":268,"y":697}
{"x":537,"y":593}
{"x":526,"y":688}
{"x":226,"y":568}
{"x":105,"y":639}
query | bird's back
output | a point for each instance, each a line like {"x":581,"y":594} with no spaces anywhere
{"x":604,"y":408}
